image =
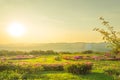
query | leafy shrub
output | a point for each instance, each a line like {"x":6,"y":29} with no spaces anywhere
{"x":21,"y":69}
{"x":77,"y":57}
{"x":7,"y":67}
{"x":32,"y":69}
{"x":87,"y":57}
{"x":112,"y":71}
{"x":65,"y":52}
{"x":107,"y":55}
{"x":9,"y":75}
{"x":53,"y":67}
{"x":67,"y":57}
{"x":97,"y":57}
{"x":57,"y":58}
{"x":110,"y":36}
{"x":78,"y":68}
{"x":87,"y":52}
{"x":114,"y":59}
{"x":33,"y":52}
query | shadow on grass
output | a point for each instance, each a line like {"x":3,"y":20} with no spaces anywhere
{"x":61,"y":75}
{"x":97,"y":76}
{"x":44,"y":75}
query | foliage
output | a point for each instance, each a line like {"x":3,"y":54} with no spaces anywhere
{"x":33,"y":52}
{"x":57,"y":58}
{"x":21,"y":69}
{"x":65,"y":52}
{"x":53,"y":67}
{"x":113,"y":72}
{"x":77,"y":57}
{"x":9,"y":75}
{"x":87,"y":52}
{"x":79,"y":68}
{"x":110,"y":35}
{"x":67,"y":57}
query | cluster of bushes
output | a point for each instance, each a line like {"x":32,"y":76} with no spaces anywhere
{"x":20,"y":69}
{"x":72,"y":57}
{"x":39,"y":52}
{"x":57,"y":58}
{"x":90,"y":58}
{"x":113,"y":59}
{"x":12,"y":53}
{"x":82,"y":57}
{"x":87,"y":52}
{"x":33,"y":52}
{"x":53,"y":67}
{"x":79,"y":68}
{"x":48,"y":52}
{"x":113,"y":72}
{"x":75,"y":68}
{"x":19,"y":57}
{"x":67,"y":57}
{"x":10,"y":75}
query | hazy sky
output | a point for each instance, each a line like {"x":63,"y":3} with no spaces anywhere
{"x":57,"y":20}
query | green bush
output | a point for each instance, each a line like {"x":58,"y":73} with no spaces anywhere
{"x":57,"y":58}
{"x":53,"y":67}
{"x":31,"y":69}
{"x":78,"y":68}
{"x":21,"y":69}
{"x":112,"y":71}
{"x":67,"y":57}
{"x":9,"y":75}
{"x":7,"y":67}
{"x":87,"y":52}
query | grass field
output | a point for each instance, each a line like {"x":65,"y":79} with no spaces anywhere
{"x":101,"y":69}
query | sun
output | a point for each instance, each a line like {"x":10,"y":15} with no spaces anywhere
{"x":16,"y":29}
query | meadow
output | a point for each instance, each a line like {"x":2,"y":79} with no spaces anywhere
{"x":50,"y":65}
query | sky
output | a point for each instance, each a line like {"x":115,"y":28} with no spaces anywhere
{"x":53,"y":21}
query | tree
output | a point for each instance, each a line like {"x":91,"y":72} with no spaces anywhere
{"x":110,"y":36}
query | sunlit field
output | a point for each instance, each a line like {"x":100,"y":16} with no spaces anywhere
{"x":49,"y":65}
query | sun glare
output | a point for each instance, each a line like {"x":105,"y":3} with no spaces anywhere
{"x":16,"y":29}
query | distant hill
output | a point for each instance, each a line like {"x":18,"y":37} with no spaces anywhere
{"x":71,"y":47}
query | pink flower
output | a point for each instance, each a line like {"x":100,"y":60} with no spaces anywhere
{"x":78,"y":57}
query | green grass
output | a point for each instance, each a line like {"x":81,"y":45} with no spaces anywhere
{"x":96,"y":74}
{"x":54,"y":75}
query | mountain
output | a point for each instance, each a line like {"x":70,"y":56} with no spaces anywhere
{"x":71,"y":47}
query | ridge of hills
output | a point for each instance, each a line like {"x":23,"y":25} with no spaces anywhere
{"x":70,"y":47}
